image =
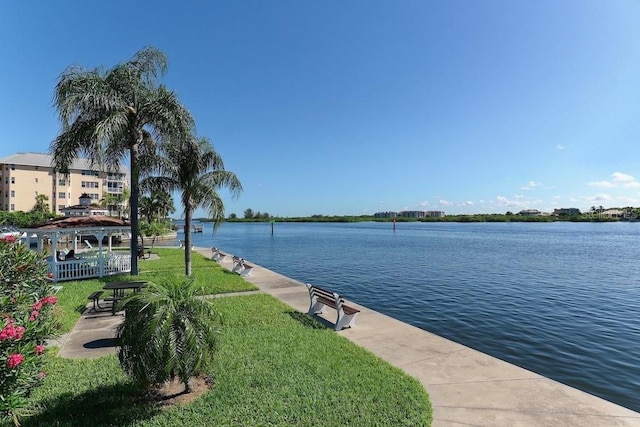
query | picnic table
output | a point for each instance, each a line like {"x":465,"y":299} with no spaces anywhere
{"x":119,"y":289}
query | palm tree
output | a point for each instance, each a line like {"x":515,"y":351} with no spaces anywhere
{"x":191,"y":166}
{"x":168,"y":332}
{"x":110,"y":115}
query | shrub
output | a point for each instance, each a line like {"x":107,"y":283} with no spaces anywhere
{"x":168,"y":332}
{"x":26,"y":321}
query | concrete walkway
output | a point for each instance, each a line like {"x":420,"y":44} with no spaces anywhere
{"x":466,"y":387}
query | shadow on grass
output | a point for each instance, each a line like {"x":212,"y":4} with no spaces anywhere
{"x":116,"y":405}
{"x":310,"y":321}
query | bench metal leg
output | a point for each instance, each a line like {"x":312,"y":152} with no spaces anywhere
{"x":345,"y":320}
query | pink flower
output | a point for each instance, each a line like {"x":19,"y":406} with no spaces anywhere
{"x":43,"y":374}
{"x":10,"y":239}
{"x":39,"y":348}
{"x":14,"y":360}
{"x":49,"y":300}
{"x":37,"y":306}
{"x":34,"y":315}
{"x":10,"y":332}
{"x":19,"y":332}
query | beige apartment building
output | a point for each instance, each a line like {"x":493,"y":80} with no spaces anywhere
{"x":23,"y":176}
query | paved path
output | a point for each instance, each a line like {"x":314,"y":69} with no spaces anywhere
{"x":466,"y":387}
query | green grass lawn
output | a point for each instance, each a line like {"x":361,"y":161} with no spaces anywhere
{"x":210,"y":275}
{"x":273,"y":367}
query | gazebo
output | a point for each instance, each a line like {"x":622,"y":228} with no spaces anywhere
{"x":82,"y":262}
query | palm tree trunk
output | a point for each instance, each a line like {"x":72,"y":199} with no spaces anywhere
{"x":187,"y":241}
{"x":133,"y":203}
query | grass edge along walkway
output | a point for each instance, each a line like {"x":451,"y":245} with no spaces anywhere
{"x":275,"y":366}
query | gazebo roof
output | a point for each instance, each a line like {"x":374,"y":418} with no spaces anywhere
{"x":81,"y":222}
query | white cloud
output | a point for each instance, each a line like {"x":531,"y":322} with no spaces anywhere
{"x":602,"y":184}
{"x":531,"y":185}
{"x":445,"y":203}
{"x":619,"y":179}
{"x":425,"y":203}
{"x":622,"y":177}
{"x":560,"y":147}
{"x":600,"y":197}
{"x":503,"y":201}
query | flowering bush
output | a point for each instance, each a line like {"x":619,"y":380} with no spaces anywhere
{"x":26,"y":321}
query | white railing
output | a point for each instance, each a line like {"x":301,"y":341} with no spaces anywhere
{"x":85,"y":267}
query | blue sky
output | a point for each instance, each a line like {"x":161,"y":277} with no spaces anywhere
{"x":354,"y":107}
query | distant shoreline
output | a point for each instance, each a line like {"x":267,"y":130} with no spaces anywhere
{"x":587,"y":217}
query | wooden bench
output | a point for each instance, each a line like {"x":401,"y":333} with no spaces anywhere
{"x":321,"y":298}
{"x":242,"y":267}
{"x":217,"y":255}
{"x":95,"y":297}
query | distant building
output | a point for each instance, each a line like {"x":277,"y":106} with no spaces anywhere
{"x":613,"y":213}
{"x":23,"y":176}
{"x":530,"y":212}
{"x":388,"y":214}
{"x":84,"y":208}
{"x":567,"y":211}
{"x":421,"y":214}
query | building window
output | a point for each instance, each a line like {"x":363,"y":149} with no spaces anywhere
{"x":62,"y":182}
{"x":89,"y":184}
{"x":13,"y":207}
{"x":36,"y":180}
{"x":60,"y":207}
{"x":62,"y":195}
{"x":90,"y":173}
{"x":13,"y":179}
{"x":36,"y":193}
{"x":94,"y":196}
{"x":13,"y":193}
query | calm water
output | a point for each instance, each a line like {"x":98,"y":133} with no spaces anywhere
{"x":560,"y":299}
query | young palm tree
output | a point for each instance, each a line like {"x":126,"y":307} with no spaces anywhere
{"x":168,"y":332}
{"x":110,"y":115}
{"x":191,"y":166}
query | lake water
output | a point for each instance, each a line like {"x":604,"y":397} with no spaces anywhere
{"x":560,"y":299}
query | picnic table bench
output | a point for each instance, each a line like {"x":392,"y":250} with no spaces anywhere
{"x":217,"y":255}
{"x":321,"y":298}
{"x":141,"y":252}
{"x":242,"y":267}
{"x":95,"y":298}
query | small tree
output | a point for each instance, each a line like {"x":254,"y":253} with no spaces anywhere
{"x":26,"y":321}
{"x":168,"y":332}
{"x":153,"y":229}
{"x":42,"y":204}
{"x":248,"y":213}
